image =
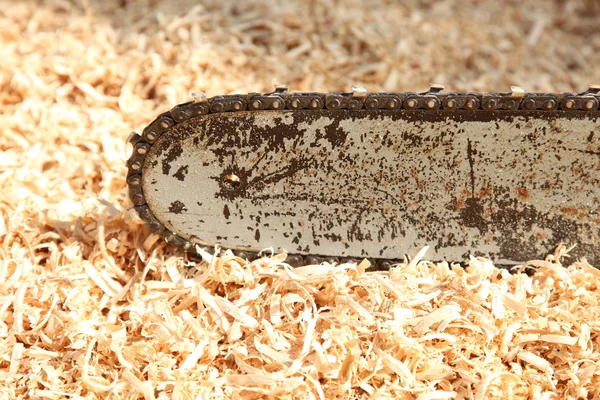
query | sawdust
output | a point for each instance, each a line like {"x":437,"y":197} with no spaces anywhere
{"x":93,"y":307}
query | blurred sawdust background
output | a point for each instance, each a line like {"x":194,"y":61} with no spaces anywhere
{"x":92,"y":307}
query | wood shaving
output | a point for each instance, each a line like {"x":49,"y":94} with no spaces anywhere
{"x":93,"y":306}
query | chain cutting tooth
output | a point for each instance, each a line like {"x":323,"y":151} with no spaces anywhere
{"x":517,"y":92}
{"x":503,"y":101}
{"x":199,"y":97}
{"x":281,"y":89}
{"x":133,"y":138}
{"x":593,"y":89}
{"x":359,"y":92}
{"x":435,"y":88}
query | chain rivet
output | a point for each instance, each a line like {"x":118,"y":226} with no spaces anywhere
{"x":275,"y":104}
{"x":569,"y":103}
{"x":138,"y":199}
{"x":411,"y":103}
{"x":314,"y":104}
{"x":353,"y":104}
{"x":134,"y":180}
{"x":334,"y":103}
{"x":529,"y":104}
{"x":589,"y":104}
{"x":372,"y":103}
{"x":490,"y":104}
{"x":295,"y":103}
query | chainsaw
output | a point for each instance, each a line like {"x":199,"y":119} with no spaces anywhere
{"x":347,"y":176}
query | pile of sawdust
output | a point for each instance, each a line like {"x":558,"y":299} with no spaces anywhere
{"x":91,"y":306}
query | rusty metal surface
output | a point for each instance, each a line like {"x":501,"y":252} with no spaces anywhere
{"x":342,"y":179}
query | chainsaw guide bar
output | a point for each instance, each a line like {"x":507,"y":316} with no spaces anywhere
{"x":375,"y":175}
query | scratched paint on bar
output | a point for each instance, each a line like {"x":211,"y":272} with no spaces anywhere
{"x":380,"y":183}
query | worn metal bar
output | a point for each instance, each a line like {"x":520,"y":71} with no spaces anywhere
{"x":378,"y":175}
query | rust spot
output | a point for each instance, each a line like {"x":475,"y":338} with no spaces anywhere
{"x":573,"y":212}
{"x":472,"y":215}
{"x":485,"y":192}
{"x":177,"y":207}
{"x":181,"y":173}
{"x":226,"y":212}
{"x":541,"y":236}
{"x":522,"y":193}
{"x":174,"y":152}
